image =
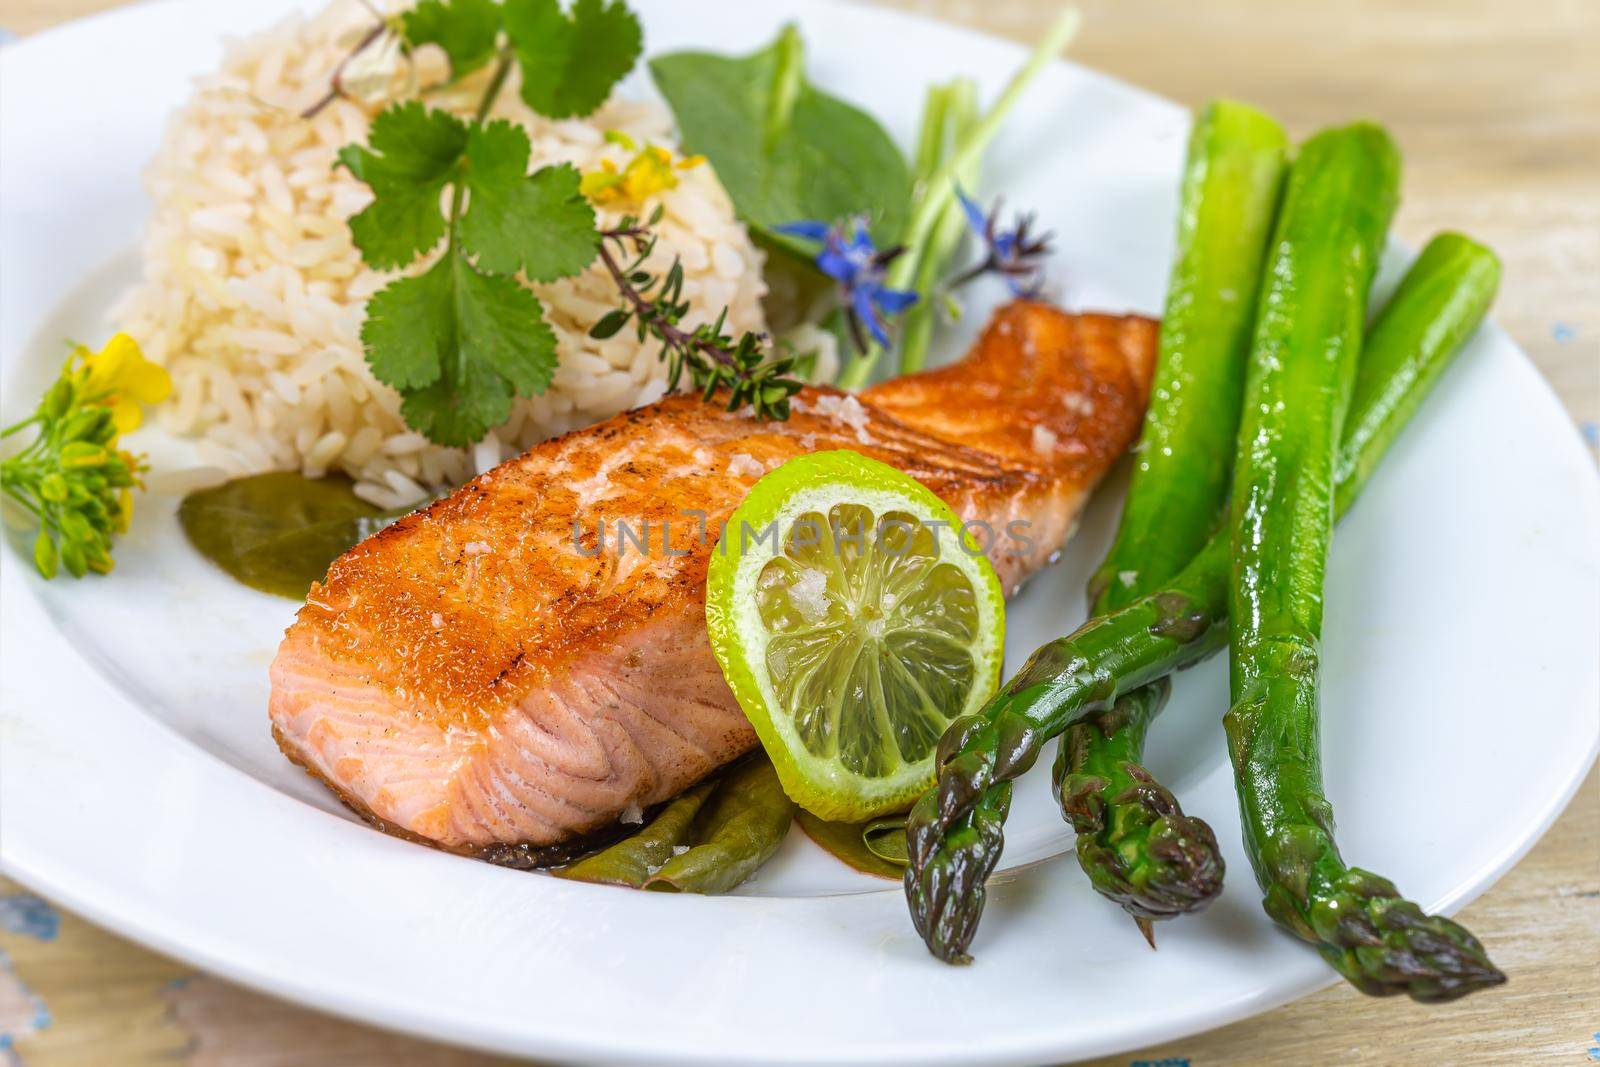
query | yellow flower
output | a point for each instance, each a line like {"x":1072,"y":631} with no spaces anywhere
{"x":651,"y":171}
{"x":121,"y":378}
{"x":124,"y":516}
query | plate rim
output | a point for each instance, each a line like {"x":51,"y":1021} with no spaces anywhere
{"x":55,"y":880}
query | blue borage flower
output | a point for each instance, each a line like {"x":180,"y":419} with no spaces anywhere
{"x":849,"y":257}
{"x":1013,"y":254}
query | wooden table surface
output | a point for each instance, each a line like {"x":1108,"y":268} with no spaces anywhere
{"x":1496,"y":104}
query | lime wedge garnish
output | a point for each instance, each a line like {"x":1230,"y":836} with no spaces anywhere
{"x":854,"y":620}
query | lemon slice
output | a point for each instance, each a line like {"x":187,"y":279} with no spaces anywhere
{"x":854,"y":619}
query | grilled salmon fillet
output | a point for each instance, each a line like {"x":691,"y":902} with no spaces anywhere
{"x":496,"y":670}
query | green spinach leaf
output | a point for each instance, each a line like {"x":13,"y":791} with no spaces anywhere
{"x":783,"y":149}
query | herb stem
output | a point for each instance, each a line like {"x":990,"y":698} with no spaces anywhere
{"x":18,"y":498}
{"x":931,"y":137}
{"x":940,"y":190}
{"x":458,"y":194}
{"x":335,"y":90}
{"x":24,"y":424}
{"x":501,"y":71}
{"x":712,"y":359}
{"x":645,"y":311}
{"x":957,"y":110}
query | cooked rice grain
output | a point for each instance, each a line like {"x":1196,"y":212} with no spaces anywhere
{"x":253,"y":294}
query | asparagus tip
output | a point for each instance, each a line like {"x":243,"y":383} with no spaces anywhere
{"x":1384,"y":944}
{"x":1138,"y":846}
{"x":944,"y":880}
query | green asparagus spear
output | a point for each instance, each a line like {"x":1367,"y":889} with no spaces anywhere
{"x":706,"y":841}
{"x":1437,"y":305}
{"x":1237,"y":158}
{"x":1134,"y":841}
{"x":633,"y":860}
{"x":955,"y":831}
{"x":738,"y":829}
{"x":1302,"y":374}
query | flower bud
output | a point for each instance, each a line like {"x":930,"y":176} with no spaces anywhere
{"x":73,"y":559}
{"x":77,"y":455}
{"x":53,"y":488}
{"x":58,"y":399}
{"x":44,"y":554}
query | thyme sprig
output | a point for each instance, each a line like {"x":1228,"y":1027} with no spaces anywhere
{"x":712,"y":359}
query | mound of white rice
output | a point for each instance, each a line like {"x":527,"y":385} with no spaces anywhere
{"x":253,"y":294}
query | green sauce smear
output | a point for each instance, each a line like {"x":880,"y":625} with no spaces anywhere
{"x":279,"y":532}
{"x":876,"y":846}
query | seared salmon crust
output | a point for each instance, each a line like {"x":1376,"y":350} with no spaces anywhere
{"x":509,"y":666}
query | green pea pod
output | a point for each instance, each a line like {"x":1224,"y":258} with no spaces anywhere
{"x":706,"y":841}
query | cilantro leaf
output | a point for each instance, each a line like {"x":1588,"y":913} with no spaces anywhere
{"x":570,"y":63}
{"x":467,"y":30}
{"x":458,"y":344}
{"x":414,"y":153}
{"x":541,"y":225}
{"x":410,"y":326}
{"x":502,"y":324}
{"x":461,"y":407}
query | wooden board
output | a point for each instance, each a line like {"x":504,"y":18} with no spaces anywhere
{"x":1496,"y":105}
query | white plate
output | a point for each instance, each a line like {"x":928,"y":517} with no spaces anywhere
{"x":141,"y":788}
